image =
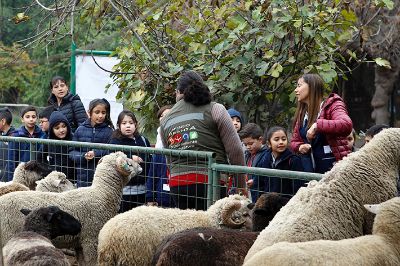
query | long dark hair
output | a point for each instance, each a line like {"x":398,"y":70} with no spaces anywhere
{"x":315,"y":95}
{"x":104,"y":102}
{"x":117,"y":133}
{"x":194,"y":90}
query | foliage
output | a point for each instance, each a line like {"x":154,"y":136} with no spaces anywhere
{"x":16,"y":74}
{"x":251,"y":52}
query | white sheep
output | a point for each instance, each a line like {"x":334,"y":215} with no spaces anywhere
{"x":32,"y":246}
{"x":54,"y":182}
{"x":28,"y":173}
{"x":333,"y":207}
{"x":381,"y":248}
{"x":131,"y":238}
{"x":93,"y":205}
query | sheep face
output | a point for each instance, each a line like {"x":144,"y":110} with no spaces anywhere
{"x":236,"y":213}
{"x":127,"y":167}
{"x":30,"y":172}
{"x":55,"y":182}
{"x":51,"y":219}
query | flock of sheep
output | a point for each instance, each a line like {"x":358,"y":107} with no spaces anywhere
{"x":330,"y":222}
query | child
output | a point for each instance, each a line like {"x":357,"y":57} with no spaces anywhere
{"x":96,"y":129}
{"x":252,"y":138}
{"x":157,"y":182}
{"x":236,"y":119}
{"x":19,"y":151}
{"x":44,"y":117}
{"x":280,"y":157}
{"x":372,"y":131}
{"x":127,"y":134}
{"x":57,"y":155}
{"x":6,"y":130}
{"x":351,"y":139}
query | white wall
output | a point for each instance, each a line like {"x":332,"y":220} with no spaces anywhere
{"x":91,"y":82}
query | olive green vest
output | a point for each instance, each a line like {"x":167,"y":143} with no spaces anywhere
{"x":189,"y":127}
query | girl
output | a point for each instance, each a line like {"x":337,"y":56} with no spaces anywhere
{"x":96,"y":129}
{"x":57,"y":155}
{"x":70,"y":105}
{"x":321,"y":126}
{"x":280,"y":157}
{"x":127,"y":134}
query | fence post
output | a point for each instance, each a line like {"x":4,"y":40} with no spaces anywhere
{"x":211,"y":181}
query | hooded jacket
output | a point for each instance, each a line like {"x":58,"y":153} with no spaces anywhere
{"x":72,"y":107}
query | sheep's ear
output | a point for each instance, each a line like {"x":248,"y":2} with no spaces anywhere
{"x":25,"y":211}
{"x":374,"y":208}
{"x":56,"y":182}
{"x":250,"y":206}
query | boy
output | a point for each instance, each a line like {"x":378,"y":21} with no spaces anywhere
{"x":255,"y":154}
{"x":5,"y":130}
{"x":372,"y":131}
{"x":44,"y":117}
{"x":20,"y":151}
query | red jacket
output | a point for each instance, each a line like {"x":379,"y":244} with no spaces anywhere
{"x":334,"y":122}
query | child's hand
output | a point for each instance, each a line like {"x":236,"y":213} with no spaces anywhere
{"x":137,"y":159}
{"x":89,"y":155}
{"x":250,"y":183}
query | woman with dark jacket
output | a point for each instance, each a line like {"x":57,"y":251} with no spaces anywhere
{"x":70,"y":105}
{"x":57,"y":155}
{"x":127,"y":134}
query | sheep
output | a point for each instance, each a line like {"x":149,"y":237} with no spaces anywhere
{"x":211,"y":246}
{"x":380,"y":248}
{"x":54,"y":182}
{"x":333,"y":207}
{"x":204,"y":246}
{"x":32,"y":246}
{"x":12,"y":187}
{"x":131,"y":238}
{"x":28,"y":173}
{"x":93,"y":205}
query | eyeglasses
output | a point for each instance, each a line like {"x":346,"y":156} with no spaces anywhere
{"x":43,"y":121}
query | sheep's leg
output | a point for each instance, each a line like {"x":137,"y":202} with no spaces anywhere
{"x":89,"y":256}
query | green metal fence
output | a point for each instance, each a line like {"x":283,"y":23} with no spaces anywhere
{"x":215,"y":187}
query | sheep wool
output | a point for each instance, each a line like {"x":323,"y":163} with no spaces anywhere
{"x":54,"y":182}
{"x":11,"y":188}
{"x":131,"y":238}
{"x":381,"y":248}
{"x":93,"y":205}
{"x":333,"y":207}
{"x":30,"y":172}
{"x":32,"y":246}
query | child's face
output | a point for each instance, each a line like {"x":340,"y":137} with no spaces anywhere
{"x":252,"y":145}
{"x":98,"y":114}
{"x":29,"y":119}
{"x":60,"y":89}
{"x":44,"y":124}
{"x":60,"y":130}
{"x":236,"y":123}
{"x":350,"y":140}
{"x":127,"y":126}
{"x":278,"y":142}
{"x":2,"y":124}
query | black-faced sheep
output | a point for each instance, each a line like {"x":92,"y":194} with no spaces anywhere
{"x":93,"y":205}
{"x":380,"y":248}
{"x":32,"y":246}
{"x":210,"y":246}
{"x":131,"y":238}
{"x":333,"y":207}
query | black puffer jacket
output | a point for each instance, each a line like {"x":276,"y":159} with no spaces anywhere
{"x":72,"y":107}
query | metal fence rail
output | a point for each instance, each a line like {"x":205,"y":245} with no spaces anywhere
{"x":215,"y":171}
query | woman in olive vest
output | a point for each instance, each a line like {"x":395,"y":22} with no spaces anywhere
{"x":196,"y":123}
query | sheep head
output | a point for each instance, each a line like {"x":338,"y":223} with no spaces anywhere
{"x":235,"y":212}
{"x":125,"y":166}
{"x":30,"y":172}
{"x":55,"y":182}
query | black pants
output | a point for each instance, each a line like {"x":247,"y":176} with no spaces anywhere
{"x":190,"y":196}
{"x":131,"y":201}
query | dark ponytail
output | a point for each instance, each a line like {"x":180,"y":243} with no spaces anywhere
{"x":194,"y":90}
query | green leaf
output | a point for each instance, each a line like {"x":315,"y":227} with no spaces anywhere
{"x":141,"y":28}
{"x":382,"y":62}
{"x":275,"y":70}
{"x":262,"y":68}
{"x":268,"y":54}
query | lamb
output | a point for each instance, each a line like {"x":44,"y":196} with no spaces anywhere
{"x":32,"y":246}
{"x":333,"y":207}
{"x":211,"y":246}
{"x":54,"y":182}
{"x":380,"y":248}
{"x":131,"y":238}
{"x":28,"y":173}
{"x":12,"y":187}
{"x":93,"y":205}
